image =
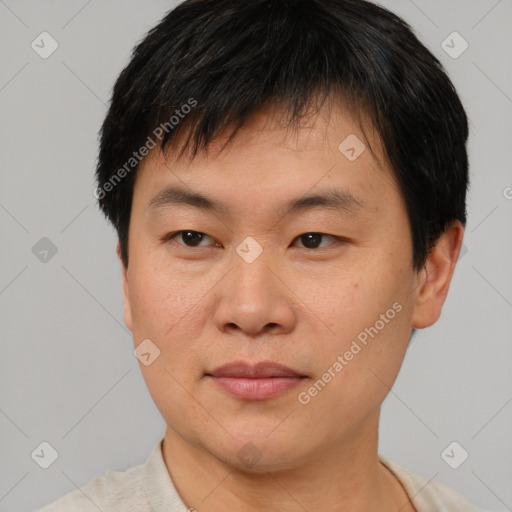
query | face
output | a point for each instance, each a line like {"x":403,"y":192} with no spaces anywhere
{"x":295,"y":255}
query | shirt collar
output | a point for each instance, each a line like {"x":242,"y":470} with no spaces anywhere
{"x":160,"y":490}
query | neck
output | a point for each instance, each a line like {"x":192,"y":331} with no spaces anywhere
{"x":345,"y":475}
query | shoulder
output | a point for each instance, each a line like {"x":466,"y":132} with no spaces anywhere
{"x":429,"y":495}
{"x":111,"y":491}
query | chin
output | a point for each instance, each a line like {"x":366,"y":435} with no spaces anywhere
{"x":257,"y":454}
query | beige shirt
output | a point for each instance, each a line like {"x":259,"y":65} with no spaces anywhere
{"x":149,"y":488}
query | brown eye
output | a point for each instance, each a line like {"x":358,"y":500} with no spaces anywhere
{"x":312,"y":240}
{"x":188,"y":238}
{"x":192,"y":238}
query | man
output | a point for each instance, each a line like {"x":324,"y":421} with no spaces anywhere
{"x":287,"y":180}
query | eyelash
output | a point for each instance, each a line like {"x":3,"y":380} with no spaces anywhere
{"x":171,"y":236}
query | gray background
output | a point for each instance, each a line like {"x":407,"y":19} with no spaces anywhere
{"x":67,"y":372}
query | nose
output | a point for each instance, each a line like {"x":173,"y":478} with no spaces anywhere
{"x":254,"y":299}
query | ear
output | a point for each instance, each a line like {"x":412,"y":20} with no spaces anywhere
{"x":435,"y":277}
{"x":126,"y":295}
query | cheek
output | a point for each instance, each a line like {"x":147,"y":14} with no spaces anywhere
{"x":355,"y":301}
{"x":356,"y":372}
{"x":170,"y":309}
{"x":165,"y":311}
{"x":161,"y":298}
{"x":369,"y":314}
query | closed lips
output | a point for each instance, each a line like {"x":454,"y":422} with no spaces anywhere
{"x":256,"y":371}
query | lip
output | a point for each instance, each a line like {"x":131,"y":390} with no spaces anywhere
{"x":260,"y":381}
{"x":253,"y":371}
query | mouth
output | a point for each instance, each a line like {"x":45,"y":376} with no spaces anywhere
{"x":260,"y":381}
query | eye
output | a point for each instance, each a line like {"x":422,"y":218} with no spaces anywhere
{"x":189,"y":238}
{"x":312,"y":240}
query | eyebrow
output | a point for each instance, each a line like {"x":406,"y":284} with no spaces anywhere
{"x":332,"y":199}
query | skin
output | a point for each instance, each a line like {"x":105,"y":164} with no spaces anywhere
{"x":302,"y":307}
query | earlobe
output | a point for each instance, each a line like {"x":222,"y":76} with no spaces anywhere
{"x":126,"y":296}
{"x":436,"y":276}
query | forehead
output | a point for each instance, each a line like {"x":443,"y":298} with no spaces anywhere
{"x":308,"y":133}
{"x":267,"y":157}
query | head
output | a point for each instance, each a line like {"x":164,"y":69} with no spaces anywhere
{"x":254,"y":127}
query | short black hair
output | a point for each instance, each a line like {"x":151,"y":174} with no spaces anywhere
{"x":209,"y":64}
